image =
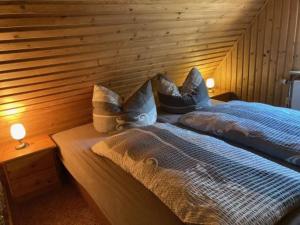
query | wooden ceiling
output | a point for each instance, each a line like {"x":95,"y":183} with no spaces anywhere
{"x":52,"y":52}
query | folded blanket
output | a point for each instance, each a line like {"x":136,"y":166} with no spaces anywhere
{"x":204,"y":180}
{"x":271,"y":130}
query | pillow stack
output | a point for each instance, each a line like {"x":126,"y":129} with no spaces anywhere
{"x":192,"y":96}
{"x":110,"y":114}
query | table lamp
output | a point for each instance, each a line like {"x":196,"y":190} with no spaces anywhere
{"x":18,"y":132}
{"x":210,"y":84}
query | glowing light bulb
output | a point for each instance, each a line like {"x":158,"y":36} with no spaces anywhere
{"x":210,"y":83}
{"x":18,"y":132}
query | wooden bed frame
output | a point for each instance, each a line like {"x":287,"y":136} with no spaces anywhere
{"x":66,"y":176}
{"x":104,"y":221}
{"x":91,"y":203}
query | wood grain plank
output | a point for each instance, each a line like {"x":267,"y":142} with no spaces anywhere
{"x":294,"y":13}
{"x":252,"y":63}
{"x":274,"y":51}
{"x":245,"y":77}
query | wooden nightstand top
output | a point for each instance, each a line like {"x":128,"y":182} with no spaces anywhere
{"x":217,"y":92}
{"x":222,"y":95}
{"x":36,"y":144}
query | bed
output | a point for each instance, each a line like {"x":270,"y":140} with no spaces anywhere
{"x":120,"y":198}
{"x":164,"y":117}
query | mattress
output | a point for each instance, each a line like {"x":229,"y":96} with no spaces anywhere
{"x":122,"y":199}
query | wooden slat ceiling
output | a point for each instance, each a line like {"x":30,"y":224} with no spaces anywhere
{"x":52,"y":52}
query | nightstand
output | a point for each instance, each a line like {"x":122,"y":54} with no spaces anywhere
{"x":224,"y":96}
{"x":29,"y":171}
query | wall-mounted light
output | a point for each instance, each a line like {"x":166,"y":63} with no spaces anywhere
{"x":18,"y":132}
{"x":210,"y":84}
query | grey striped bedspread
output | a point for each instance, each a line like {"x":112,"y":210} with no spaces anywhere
{"x":271,"y":130}
{"x":204,"y":180}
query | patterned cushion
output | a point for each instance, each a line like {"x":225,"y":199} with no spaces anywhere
{"x":140,"y":109}
{"x":192,"y":82}
{"x":167,"y":87}
{"x":192,"y":96}
{"x":110,"y":115}
{"x":107,"y":107}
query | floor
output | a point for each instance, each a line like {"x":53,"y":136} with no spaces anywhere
{"x":62,"y":207}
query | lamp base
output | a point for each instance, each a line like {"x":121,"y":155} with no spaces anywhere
{"x":210,"y":90}
{"x":21,"y":145}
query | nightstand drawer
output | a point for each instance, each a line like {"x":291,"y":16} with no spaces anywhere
{"x":35,"y":182}
{"x":22,"y":167}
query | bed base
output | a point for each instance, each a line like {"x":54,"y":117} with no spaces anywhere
{"x":89,"y":200}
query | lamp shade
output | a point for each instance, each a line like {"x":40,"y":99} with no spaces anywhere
{"x":17,"y":131}
{"x":210,"y":83}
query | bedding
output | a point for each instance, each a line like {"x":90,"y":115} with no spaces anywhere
{"x":140,"y":108}
{"x":163,"y":117}
{"x":107,"y":107}
{"x":193,"y":94}
{"x":271,"y":130}
{"x":204,"y":180}
{"x":110,"y":114}
{"x":122,"y":199}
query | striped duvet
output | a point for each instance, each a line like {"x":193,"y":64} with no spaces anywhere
{"x":271,"y":130}
{"x":204,"y":180}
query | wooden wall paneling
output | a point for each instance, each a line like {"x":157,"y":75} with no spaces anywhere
{"x":221,"y":71}
{"x":32,"y":87}
{"x":266,"y":53}
{"x":293,"y":26}
{"x":37,"y":125}
{"x":217,"y":78}
{"x":234,"y":56}
{"x":274,"y":51}
{"x":252,"y":64}
{"x":229,"y":71}
{"x":100,"y":20}
{"x":259,"y":56}
{"x":224,"y":71}
{"x":53,"y":52}
{"x":50,"y":104}
{"x":116,"y":41}
{"x":240,"y":64}
{"x":296,"y":60}
{"x":121,"y":8}
{"x":76,"y":74}
{"x":47,"y":98}
{"x":91,"y":77}
{"x":282,"y":51}
{"x":129,"y":31}
{"x":245,"y":76}
{"x":118,"y":50}
{"x":91,"y":60}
